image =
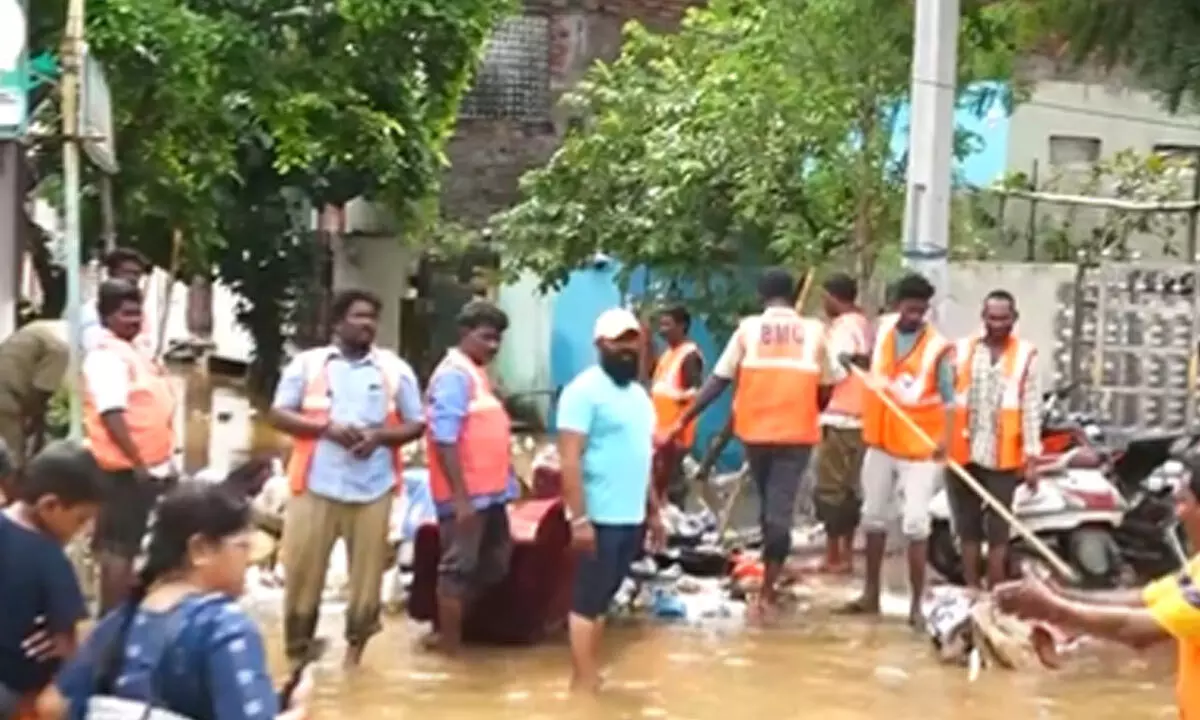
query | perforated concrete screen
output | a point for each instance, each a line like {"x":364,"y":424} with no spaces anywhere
{"x":1141,"y":322}
{"x":513,"y":81}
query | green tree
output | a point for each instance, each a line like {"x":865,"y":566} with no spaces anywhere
{"x":1159,"y":40}
{"x":229,"y":113}
{"x":761,"y":132}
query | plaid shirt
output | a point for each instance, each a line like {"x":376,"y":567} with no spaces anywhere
{"x":984,"y":395}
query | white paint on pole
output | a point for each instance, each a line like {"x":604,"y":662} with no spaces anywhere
{"x":931,"y":144}
{"x":69,"y":86}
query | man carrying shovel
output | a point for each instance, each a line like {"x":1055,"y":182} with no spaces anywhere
{"x":783,"y":381}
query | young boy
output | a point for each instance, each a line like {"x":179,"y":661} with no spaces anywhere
{"x":57,"y":494}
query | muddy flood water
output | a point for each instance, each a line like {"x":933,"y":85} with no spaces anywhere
{"x":812,"y":665}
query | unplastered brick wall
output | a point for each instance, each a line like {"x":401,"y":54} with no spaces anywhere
{"x":488,"y":155}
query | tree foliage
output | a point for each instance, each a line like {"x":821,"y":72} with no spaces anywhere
{"x":761,"y":132}
{"x":1159,"y":40}
{"x":229,"y":112}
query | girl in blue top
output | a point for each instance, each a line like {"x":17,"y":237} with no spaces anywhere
{"x":181,"y":642}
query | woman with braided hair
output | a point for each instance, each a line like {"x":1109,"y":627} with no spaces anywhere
{"x":180,"y":643}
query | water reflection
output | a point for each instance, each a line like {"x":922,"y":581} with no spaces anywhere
{"x":816,"y":666}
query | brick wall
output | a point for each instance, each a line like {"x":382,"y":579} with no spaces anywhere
{"x":488,"y":156}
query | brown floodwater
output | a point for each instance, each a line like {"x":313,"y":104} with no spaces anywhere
{"x":812,"y":664}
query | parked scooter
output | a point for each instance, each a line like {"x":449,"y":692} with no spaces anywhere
{"x":1075,"y":510}
{"x":1108,"y":512}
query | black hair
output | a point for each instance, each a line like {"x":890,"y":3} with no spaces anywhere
{"x":115,"y":293}
{"x":122,"y":256}
{"x":914,"y":286}
{"x":64,"y":469}
{"x":680,"y":315}
{"x":1003,"y":296}
{"x":777,"y":283}
{"x":842,"y":286}
{"x":247,"y":477}
{"x":191,"y":509}
{"x":345,"y":299}
{"x":482,"y":313}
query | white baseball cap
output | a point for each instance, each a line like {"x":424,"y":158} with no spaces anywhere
{"x":615,"y":322}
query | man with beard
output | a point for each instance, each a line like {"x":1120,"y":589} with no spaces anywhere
{"x":997,"y":433}
{"x":128,"y":418}
{"x":780,"y":362}
{"x":470,"y":470}
{"x":349,"y":407}
{"x":606,"y":447}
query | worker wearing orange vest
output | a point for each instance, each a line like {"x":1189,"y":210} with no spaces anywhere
{"x":997,"y":432}
{"x":468,"y":441}
{"x":677,"y":376}
{"x":836,"y":495}
{"x":781,"y":365}
{"x":911,"y":363}
{"x":128,"y":418}
{"x":349,"y":407}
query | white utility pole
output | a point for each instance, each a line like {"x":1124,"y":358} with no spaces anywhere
{"x":931,"y":145}
{"x":72,"y":68}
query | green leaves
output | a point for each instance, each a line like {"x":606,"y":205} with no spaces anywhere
{"x":1158,"y":39}
{"x":760,"y":133}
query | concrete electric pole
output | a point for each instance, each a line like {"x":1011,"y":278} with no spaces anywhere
{"x":13,"y":116}
{"x":72,"y":67}
{"x":931,"y":145}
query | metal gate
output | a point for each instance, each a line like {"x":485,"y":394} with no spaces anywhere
{"x":1139,"y":339}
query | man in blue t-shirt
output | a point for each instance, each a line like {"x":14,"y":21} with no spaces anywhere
{"x":606,"y":447}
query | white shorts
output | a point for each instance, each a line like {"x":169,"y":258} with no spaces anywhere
{"x":889,"y":483}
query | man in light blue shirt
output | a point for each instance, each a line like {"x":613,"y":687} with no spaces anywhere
{"x":349,"y":407}
{"x":606,"y":448}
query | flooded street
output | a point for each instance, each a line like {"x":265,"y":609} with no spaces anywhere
{"x":813,"y":665}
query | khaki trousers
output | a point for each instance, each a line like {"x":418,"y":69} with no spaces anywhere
{"x":312,"y":526}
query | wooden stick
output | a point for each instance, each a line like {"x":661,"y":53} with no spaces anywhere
{"x":997,"y":507}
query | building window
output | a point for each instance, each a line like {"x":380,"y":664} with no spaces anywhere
{"x":1182,"y":153}
{"x":513,"y":80}
{"x":1070,"y":150}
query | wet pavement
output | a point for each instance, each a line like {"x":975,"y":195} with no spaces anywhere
{"x":812,"y":664}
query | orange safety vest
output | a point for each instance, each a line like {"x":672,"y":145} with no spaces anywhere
{"x":484,"y":442}
{"x":149,"y":410}
{"x":671,"y":398}
{"x":911,"y":382}
{"x":848,"y":395}
{"x":1010,"y":445}
{"x":316,"y":404}
{"x":775,"y":402}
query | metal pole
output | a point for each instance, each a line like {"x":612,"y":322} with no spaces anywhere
{"x":931,"y":145}
{"x":72,"y":61}
{"x":12,"y":214}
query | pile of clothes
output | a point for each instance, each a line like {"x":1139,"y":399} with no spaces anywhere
{"x":967,"y":629}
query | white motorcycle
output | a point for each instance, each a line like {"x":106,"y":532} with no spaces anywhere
{"x":1076,"y":510}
